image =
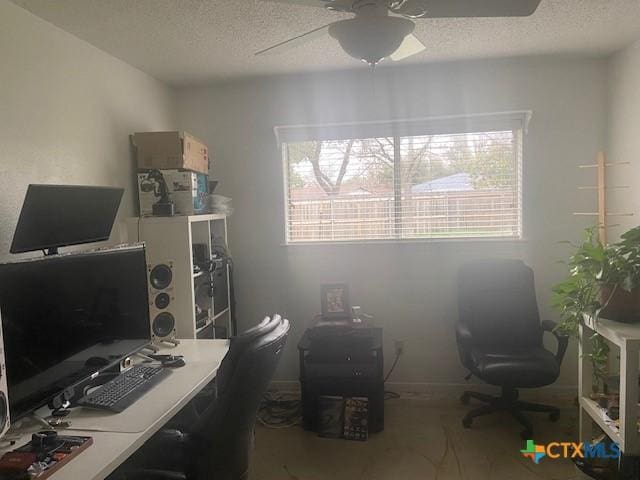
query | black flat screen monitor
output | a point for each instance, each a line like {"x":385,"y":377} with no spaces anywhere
{"x":66,"y":317}
{"x":55,"y":216}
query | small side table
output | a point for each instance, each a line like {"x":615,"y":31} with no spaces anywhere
{"x":345,"y":362}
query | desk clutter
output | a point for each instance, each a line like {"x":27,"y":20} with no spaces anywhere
{"x":46,"y":453}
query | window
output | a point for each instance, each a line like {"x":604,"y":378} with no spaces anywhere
{"x":431,"y":179}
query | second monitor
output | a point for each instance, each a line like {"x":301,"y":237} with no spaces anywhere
{"x":54,"y":216}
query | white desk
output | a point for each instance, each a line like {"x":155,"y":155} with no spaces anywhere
{"x":117,"y":436}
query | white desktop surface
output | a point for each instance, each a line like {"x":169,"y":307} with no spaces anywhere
{"x":117,"y":436}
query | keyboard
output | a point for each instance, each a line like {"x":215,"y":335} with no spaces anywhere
{"x":117,"y":394}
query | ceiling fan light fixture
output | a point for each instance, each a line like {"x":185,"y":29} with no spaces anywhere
{"x":409,"y":8}
{"x":372,"y":38}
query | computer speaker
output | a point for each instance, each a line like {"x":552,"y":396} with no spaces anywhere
{"x":4,"y":395}
{"x":163,"y":322}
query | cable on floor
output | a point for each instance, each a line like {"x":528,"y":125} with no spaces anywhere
{"x":280,"y":410}
{"x":389,"y":395}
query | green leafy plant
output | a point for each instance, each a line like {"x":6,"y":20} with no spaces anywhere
{"x":597,"y":273}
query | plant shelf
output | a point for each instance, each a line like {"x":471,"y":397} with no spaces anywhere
{"x":627,"y":337}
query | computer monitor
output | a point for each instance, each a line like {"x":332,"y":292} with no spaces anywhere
{"x":66,"y":317}
{"x":54,"y":216}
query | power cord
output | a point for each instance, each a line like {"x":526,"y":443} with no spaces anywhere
{"x":389,"y":395}
{"x":393,"y":366}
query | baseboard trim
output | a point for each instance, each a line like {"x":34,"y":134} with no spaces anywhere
{"x":423,"y":387}
{"x":445,"y":388}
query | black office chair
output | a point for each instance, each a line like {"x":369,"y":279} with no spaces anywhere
{"x":499,"y":338}
{"x":219,"y":445}
{"x":190,"y":415}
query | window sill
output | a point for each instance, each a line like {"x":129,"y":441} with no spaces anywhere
{"x":407,"y":242}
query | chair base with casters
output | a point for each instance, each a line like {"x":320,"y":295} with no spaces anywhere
{"x":507,"y":402}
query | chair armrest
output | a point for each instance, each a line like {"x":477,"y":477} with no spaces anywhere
{"x":563,"y":340}
{"x":192,"y":413}
{"x":464,"y":340}
{"x":170,"y":435}
{"x":186,"y":418}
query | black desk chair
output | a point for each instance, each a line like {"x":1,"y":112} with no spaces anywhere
{"x":499,"y":338}
{"x":219,"y":445}
{"x":189,"y":416}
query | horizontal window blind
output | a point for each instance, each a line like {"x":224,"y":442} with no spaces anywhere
{"x":400,"y":187}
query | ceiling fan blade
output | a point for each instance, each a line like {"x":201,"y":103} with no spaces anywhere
{"x":295,"y":41}
{"x":336,"y":5}
{"x":473,"y":8}
{"x":409,"y":46}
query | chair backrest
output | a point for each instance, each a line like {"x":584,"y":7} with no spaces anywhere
{"x":238,"y":345}
{"x":497,"y":301}
{"x":225,"y":436}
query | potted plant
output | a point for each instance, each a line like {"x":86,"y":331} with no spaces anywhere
{"x":620,"y":291}
{"x":604,"y":280}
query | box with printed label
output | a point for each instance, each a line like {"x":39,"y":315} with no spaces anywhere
{"x":188,"y":190}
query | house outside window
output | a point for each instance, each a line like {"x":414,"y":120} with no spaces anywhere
{"x":439,"y":178}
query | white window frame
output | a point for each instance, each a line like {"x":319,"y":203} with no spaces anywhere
{"x":519,"y":121}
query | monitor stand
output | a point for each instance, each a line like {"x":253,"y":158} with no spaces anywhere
{"x":155,"y":346}
{"x":171,"y":341}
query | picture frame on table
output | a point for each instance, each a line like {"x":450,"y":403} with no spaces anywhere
{"x":334,"y":301}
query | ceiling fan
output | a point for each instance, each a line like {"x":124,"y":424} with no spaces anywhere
{"x":384,"y":28}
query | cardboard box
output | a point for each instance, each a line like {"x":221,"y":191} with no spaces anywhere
{"x":188,"y":190}
{"x":171,"y":150}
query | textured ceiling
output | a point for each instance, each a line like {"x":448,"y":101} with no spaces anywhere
{"x":186,"y":42}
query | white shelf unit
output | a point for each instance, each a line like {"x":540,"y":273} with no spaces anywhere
{"x":627,"y":338}
{"x":171,"y":239}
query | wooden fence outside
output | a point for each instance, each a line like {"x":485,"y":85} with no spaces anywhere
{"x":492,"y":213}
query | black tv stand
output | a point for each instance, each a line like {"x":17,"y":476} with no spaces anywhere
{"x":344,"y":362}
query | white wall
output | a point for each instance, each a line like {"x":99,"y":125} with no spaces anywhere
{"x":623,"y":138}
{"x":410,"y":288}
{"x":66,"y":112}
